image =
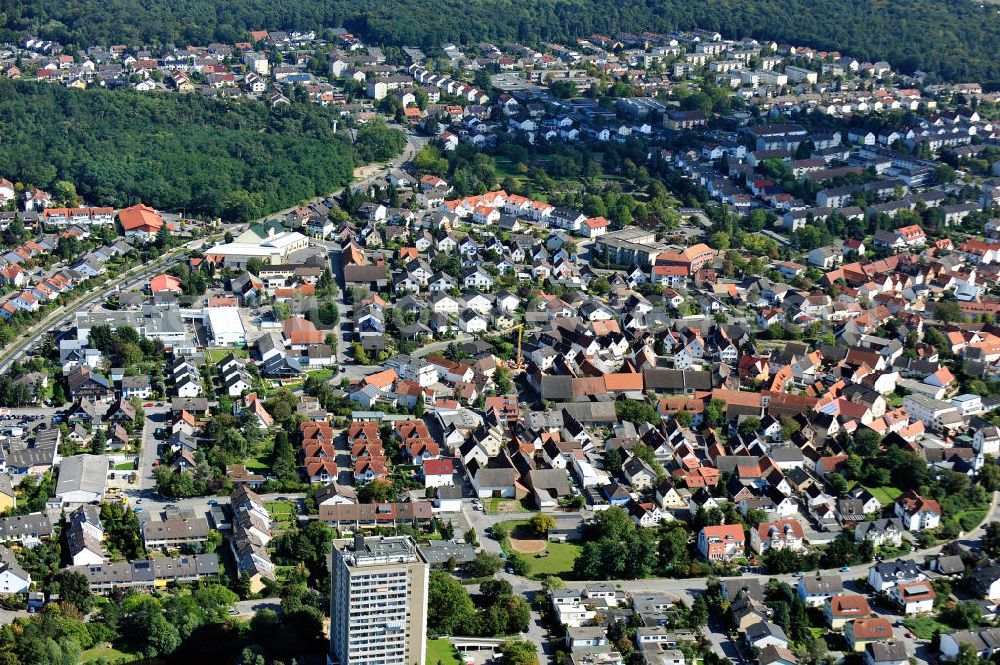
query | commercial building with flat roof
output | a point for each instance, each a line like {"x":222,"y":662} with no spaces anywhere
{"x":225,"y":326}
{"x":378,"y":602}
{"x":274,"y":249}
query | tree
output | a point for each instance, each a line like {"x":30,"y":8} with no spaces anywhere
{"x":506,"y":615}
{"x":378,"y":490}
{"x":430,"y":161}
{"x":74,"y":588}
{"x":613,"y":523}
{"x":542,"y":523}
{"x":783,"y":560}
{"x":254,"y":264}
{"x":376,"y":142}
{"x":162,"y":638}
{"x":491,"y":590}
{"x":519,"y":652}
{"x":755,"y":517}
{"x":715,"y":412}
{"x":636,"y":412}
{"x":517,"y":565}
{"x":283,"y":464}
{"x":838,"y":484}
{"x":58,"y":394}
{"x":698,"y":614}
{"x":947,"y":310}
{"x":486,"y":564}
{"x":964,"y":615}
{"x":991,"y":539}
{"x":281,"y":311}
{"x":749,"y":426}
{"x":552,"y":583}
{"x":449,"y":608}
{"x":967,"y":655}
{"x":563,"y":89}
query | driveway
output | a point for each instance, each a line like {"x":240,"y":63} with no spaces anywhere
{"x":156,"y":417}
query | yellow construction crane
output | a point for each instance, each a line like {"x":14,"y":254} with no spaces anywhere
{"x":520,"y":331}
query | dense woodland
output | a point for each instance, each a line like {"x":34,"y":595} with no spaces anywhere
{"x":956,"y":39}
{"x":237,"y":160}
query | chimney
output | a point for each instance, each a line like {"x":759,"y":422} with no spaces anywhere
{"x":359,"y":542}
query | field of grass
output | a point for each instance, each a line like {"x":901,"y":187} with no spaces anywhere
{"x":924,"y":627}
{"x":442,"y":651}
{"x":558,"y":558}
{"x":970,"y":519}
{"x":215,"y":355}
{"x":498,"y":506}
{"x":127,"y":466}
{"x":321,"y":374}
{"x":282,"y":513}
{"x":256,"y":464}
{"x":886,"y":494}
{"x":109,"y":655}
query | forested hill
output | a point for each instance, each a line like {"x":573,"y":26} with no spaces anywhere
{"x":955,"y":39}
{"x":176,"y":152}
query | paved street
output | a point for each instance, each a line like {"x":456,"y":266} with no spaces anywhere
{"x":61,"y":317}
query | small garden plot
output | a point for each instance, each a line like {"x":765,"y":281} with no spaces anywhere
{"x":282,"y":514}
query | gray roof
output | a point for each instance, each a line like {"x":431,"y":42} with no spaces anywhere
{"x":900,"y":569}
{"x":887,"y":652}
{"x":176,"y":529}
{"x":438,"y":552}
{"x":17,"y":526}
{"x":764,"y":629}
{"x":862,"y":530}
{"x":76,"y":538}
{"x":948,"y":565}
{"x":830,"y":584}
{"x":146,"y":571}
{"x":8,"y":563}
{"x":82,"y":473}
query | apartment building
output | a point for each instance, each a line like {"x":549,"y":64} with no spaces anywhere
{"x":378,"y":601}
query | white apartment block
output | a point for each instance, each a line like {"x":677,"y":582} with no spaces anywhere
{"x":378,"y":602}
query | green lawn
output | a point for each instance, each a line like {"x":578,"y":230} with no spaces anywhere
{"x":321,"y":374}
{"x":109,"y":655}
{"x":215,"y":355}
{"x":279,"y":508}
{"x":887,"y":494}
{"x":558,"y":560}
{"x":970,"y":519}
{"x":127,"y":466}
{"x":442,"y":651}
{"x":256,"y":464}
{"x":923,"y":627}
{"x":497,"y":506}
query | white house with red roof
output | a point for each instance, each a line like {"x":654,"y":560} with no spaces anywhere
{"x":37,"y":199}
{"x":6,"y":191}
{"x":594,"y":227}
{"x":722,"y":543}
{"x":916,"y":512}
{"x":439,"y":472}
{"x":786,"y":534}
{"x":912,"y":235}
{"x":140,"y":221}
